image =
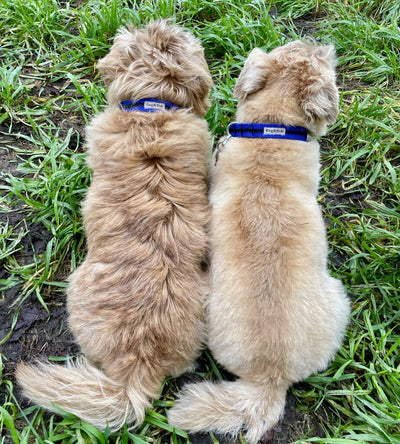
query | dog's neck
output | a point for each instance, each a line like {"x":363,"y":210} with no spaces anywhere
{"x":283,"y":111}
{"x":247,"y":113}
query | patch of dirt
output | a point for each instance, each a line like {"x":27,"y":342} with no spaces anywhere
{"x":7,"y":157}
{"x":36,"y":334}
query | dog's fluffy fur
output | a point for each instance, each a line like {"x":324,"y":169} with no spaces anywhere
{"x":136,"y":304}
{"x":275,"y":315}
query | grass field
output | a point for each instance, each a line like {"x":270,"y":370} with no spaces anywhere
{"x":49,"y":90}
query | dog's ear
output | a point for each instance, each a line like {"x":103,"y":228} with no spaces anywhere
{"x":326,"y":54}
{"x":321,"y":96}
{"x":108,"y":68}
{"x":112,"y":64}
{"x":253,"y":75}
{"x":201,"y":86}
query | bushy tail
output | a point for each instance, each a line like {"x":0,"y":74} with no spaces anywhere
{"x":86,"y":392}
{"x":228,"y":407}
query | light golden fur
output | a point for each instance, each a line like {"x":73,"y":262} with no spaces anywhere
{"x":136,"y":304}
{"x":275,"y":315}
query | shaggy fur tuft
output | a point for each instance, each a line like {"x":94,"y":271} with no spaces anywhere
{"x":275,"y":315}
{"x":136,"y":304}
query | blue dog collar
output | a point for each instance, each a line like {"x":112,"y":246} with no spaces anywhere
{"x":147,"y":105}
{"x":267,"y":131}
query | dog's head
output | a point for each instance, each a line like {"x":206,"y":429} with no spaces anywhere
{"x":161,"y":62}
{"x":300,"y":76}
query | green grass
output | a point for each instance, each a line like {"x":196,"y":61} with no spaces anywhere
{"x":49,"y":90}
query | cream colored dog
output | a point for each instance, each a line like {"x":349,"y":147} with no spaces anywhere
{"x":275,"y":315}
{"x":136,"y":304}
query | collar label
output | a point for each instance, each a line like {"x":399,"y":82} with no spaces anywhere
{"x":147,"y":105}
{"x":154,"y":105}
{"x":269,"y":131}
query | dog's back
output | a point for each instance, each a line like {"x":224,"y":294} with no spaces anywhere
{"x":272,"y":294}
{"x":146,"y":213}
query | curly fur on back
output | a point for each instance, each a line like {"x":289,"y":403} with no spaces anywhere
{"x":136,"y":304}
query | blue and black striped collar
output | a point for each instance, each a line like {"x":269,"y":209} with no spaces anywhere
{"x":267,"y":131}
{"x":147,"y":105}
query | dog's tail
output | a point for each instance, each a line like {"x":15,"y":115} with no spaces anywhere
{"x":85,"y":391}
{"x":228,"y":407}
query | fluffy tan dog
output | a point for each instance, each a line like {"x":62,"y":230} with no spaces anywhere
{"x":136,"y":304}
{"x":275,"y":315}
